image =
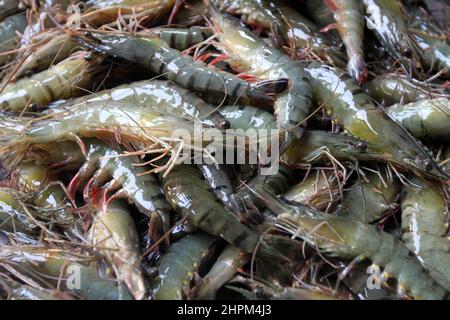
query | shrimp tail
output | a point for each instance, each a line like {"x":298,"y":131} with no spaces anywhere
{"x":264,"y":90}
{"x":357,"y":68}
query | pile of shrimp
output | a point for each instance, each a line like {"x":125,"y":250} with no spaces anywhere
{"x":95,"y":202}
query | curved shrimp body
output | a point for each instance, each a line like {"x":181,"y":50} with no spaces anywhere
{"x":183,"y":38}
{"x":190,"y":196}
{"x":349,"y":18}
{"x":431,"y":39}
{"x":424,"y":119}
{"x":343,"y":237}
{"x":248,"y":117}
{"x":385,"y":18}
{"x":320,"y":12}
{"x":106,"y":170}
{"x":277,"y":183}
{"x":101,"y":12}
{"x":106,"y":120}
{"x":46,"y":266}
{"x":33,"y":178}
{"x":393,"y":88}
{"x":372,"y":199}
{"x":424,"y":215}
{"x":305,"y":35}
{"x":67,"y":79}
{"x":12,"y":216}
{"x":155,"y":55}
{"x":220,"y":184}
{"x":114,"y":235}
{"x":8,"y":35}
{"x":254,"y":55}
{"x":160,"y":96}
{"x":317,"y":190}
{"x":316,"y":146}
{"x":54,"y":49}
{"x":226,"y":266}
{"x":354,"y":110}
{"x":176,"y":267}
{"x":8,"y":8}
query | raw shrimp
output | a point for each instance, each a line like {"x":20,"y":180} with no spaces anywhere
{"x":153,"y":54}
{"x":386,"y":19}
{"x":350,"y":25}
{"x":355,"y":111}
{"x":69,"y":78}
{"x":392,"y":88}
{"x":424,"y":228}
{"x":183,"y":38}
{"x":177,"y":266}
{"x":345,"y":238}
{"x":425,"y":119}
{"x":12,"y":216}
{"x":226,"y":266}
{"x":318,"y":190}
{"x":138,"y":126}
{"x":106,"y":171}
{"x":190,"y":197}
{"x":46,"y":266}
{"x":317,"y":146}
{"x":101,"y":12}
{"x":8,"y":34}
{"x":220,"y":184}
{"x":160,"y":96}
{"x":53,"y":48}
{"x":370,"y":200}
{"x":114,"y":235}
{"x":431,"y":39}
{"x":253,"y":55}
{"x":248,"y":117}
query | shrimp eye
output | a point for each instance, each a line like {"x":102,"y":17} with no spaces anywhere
{"x":361,"y":146}
{"x":428,"y":165}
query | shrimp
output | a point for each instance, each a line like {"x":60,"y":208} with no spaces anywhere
{"x":342,"y":237}
{"x":160,"y":96}
{"x":53,"y":48}
{"x":350,"y":25}
{"x":263,"y":290}
{"x":107,"y":172}
{"x":252,"y":53}
{"x":190,"y":196}
{"x":8,"y":8}
{"x":114,"y":235}
{"x":102,"y":12}
{"x":183,"y":38}
{"x":424,"y":229}
{"x":220,"y":184}
{"x":316,"y":147}
{"x":424,"y":119}
{"x":227,"y":265}
{"x":13,"y":219}
{"x":8,"y":34}
{"x":50,"y":267}
{"x":320,"y":12}
{"x":431,"y":39}
{"x":394,"y":88}
{"x":177,"y":266}
{"x":355,"y":111}
{"x":386,"y":19}
{"x":304,"y":34}
{"x":372,"y":199}
{"x":317,"y":190}
{"x":248,"y":117}
{"x":33,"y":178}
{"x":153,"y":54}
{"x":67,"y":79}
{"x":277,"y":183}
{"x":145,"y":129}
